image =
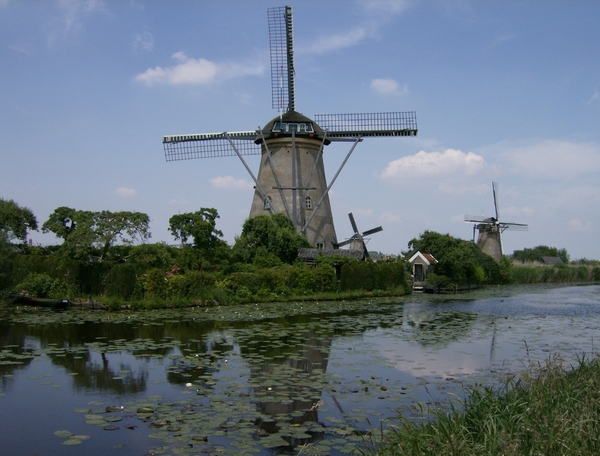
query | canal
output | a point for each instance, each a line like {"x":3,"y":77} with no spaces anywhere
{"x":269,"y":378}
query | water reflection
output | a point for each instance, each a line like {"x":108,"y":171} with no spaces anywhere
{"x":211,"y":377}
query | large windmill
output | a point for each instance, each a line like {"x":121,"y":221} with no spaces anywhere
{"x":291,"y":176}
{"x":491,"y":229}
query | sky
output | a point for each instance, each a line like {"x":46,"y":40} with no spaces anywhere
{"x":505,"y":91}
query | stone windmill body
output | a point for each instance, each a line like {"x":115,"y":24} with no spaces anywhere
{"x":490,"y":229}
{"x":291,"y":177}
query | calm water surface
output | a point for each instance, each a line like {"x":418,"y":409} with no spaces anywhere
{"x":268,"y":379}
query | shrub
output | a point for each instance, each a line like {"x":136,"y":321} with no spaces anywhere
{"x":155,"y":284}
{"x":42,"y":286}
{"x":121,"y":281}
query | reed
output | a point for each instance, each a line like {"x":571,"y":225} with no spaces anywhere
{"x":549,"y":410}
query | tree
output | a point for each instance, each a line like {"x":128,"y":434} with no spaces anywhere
{"x":536,"y":254}
{"x":461,"y":261}
{"x":83,"y":231}
{"x":269,"y":236}
{"x":207,"y":247}
{"x":15,"y":221}
{"x":125,"y":226}
{"x":63,"y":221}
{"x":200,"y":226}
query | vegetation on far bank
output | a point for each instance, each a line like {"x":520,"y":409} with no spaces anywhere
{"x":549,"y":410}
{"x":104,"y":256}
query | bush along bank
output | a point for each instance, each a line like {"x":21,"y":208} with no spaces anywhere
{"x":131,"y":285}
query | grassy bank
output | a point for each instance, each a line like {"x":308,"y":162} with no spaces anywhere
{"x":220,"y":298}
{"x":537,"y":273}
{"x":549,"y":410}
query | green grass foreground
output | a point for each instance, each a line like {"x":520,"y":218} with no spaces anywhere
{"x":549,"y":410}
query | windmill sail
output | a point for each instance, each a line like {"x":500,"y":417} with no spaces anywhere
{"x":340,"y":126}
{"x":281,"y":40}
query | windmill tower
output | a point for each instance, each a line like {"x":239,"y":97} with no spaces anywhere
{"x":357,"y":240}
{"x":291,"y":176}
{"x":491,"y":229}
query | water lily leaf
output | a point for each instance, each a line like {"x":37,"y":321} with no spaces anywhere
{"x":112,"y":418}
{"x":80,"y":437}
{"x":63,"y":434}
{"x":72,"y":442}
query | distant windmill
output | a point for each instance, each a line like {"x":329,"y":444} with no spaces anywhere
{"x":491,"y":229}
{"x":357,"y":241}
{"x":291,"y":176}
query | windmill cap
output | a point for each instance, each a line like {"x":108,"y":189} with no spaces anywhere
{"x":282,"y":126}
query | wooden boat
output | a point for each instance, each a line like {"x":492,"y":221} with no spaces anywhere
{"x":23,"y":300}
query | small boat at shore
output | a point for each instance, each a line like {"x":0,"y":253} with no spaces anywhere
{"x":51,"y":303}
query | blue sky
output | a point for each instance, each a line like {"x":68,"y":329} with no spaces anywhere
{"x":505,"y":91}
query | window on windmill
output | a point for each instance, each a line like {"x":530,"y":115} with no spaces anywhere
{"x":320,"y":245}
{"x":308,"y":202}
{"x":268,"y":202}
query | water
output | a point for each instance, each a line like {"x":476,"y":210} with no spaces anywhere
{"x":268,"y":379}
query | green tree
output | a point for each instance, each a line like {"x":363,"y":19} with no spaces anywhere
{"x":83,"y":231}
{"x":124,"y":226}
{"x":536,"y":254}
{"x":207,"y":247}
{"x":199,"y":226}
{"x":15,"y":221}
{"x":268,"y":236}
{"x":461,"y":261}
{"x":63,"y":221}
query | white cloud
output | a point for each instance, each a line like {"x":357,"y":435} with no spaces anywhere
{"x":4,"y":3}
{"x":594,"y":97}
{"x":428,"y":164}
{"x":513,"y":210}
{"x":461,"y":188}
{"x":385,"y":6}
{"x":390,"y":217}
{"x":196,"y":71}
{"x":337,"y":41}
{"x":579,"y":226}
{"x":388,"y":87}
{"x":74,"y":14}
{"x":144,"y":41}
{"x":553,"y":159}
{"x":23,"y":49}
{"x":75,"y":10}
{"x":181,"y":202}
{"x":230,"y":183}
{"x":125,"y":192}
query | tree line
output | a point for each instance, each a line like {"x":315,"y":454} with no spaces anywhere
{"x":108,"y":254}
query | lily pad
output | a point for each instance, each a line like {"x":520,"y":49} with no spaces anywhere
{"x":72,"y":442}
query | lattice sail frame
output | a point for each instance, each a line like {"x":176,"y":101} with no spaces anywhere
{"x":368,"y":124}
{"x":282,"y":58}
{"x":338,"y":127}
{"x":210,"y":145}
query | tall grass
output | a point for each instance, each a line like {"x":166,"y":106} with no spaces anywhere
{"x":549,"y":410}
{"x":554,"y":274}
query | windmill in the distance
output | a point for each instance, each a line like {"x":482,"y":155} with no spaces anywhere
{"x":291,"y":177}
{"x":491,"y":229}
{"x":357,"y":241}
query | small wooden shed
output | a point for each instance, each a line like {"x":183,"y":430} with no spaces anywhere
{"x":423,"y":264}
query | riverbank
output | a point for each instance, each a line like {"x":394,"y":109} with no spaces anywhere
{"x":550,"y":409}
